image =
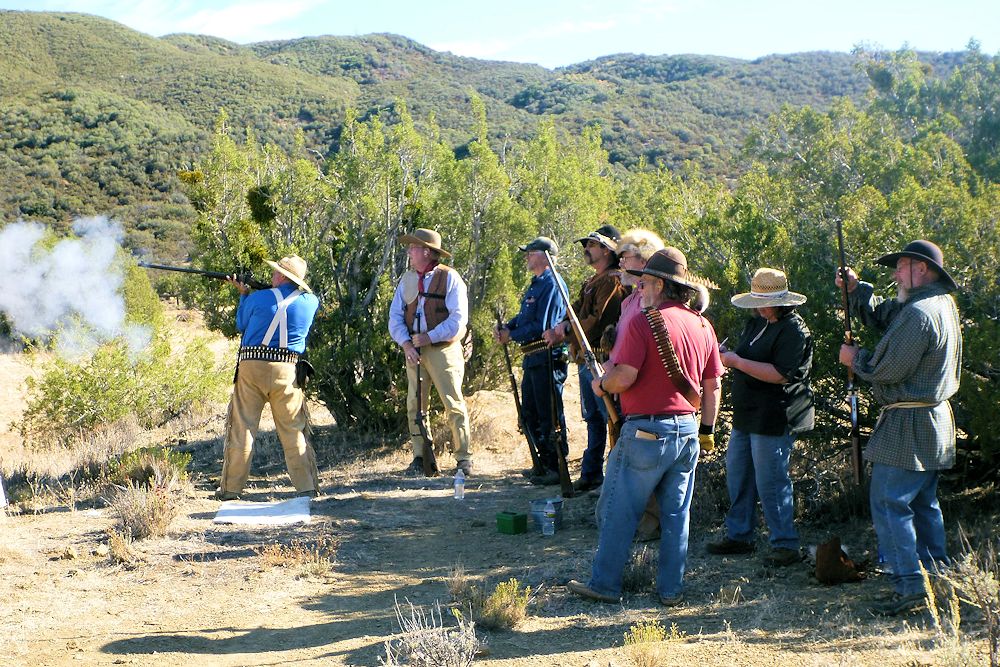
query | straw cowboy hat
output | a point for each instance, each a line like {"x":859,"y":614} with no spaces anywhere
{"x":606,"y":235}
{"x":428,"y":238}
{"x":768,"y":289}
{"x":292,"y":267}
{"x":670,"y":264}
{"x":925,"y":251}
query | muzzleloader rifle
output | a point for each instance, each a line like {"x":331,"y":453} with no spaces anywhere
{"x":241,"y":276}
{"x":429,"y":460}
{"x":857,"y":464}
{"x":589,"y":358}
{"x":559,"y":439}
{"x":536,"y":462}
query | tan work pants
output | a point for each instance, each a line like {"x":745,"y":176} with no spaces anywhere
{"x":444,"y":366}
{"x":257,"y":383}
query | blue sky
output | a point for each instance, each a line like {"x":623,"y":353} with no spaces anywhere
{"x":560,"y":32}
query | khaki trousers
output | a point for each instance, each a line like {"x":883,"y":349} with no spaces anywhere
{"x":257,"y":383}
{"x":444,"y":366}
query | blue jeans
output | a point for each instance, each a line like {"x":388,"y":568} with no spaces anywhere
{"x":639,"y":467}
{"x":757,"y":467}
{"x":908,"y":523}
{"x":595,"y":413}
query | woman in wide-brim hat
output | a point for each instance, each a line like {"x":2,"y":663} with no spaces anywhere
{"x":772,"y":402}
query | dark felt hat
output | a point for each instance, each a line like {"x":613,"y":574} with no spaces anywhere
{"x":670,"y":264}
{"x":925,"y":251}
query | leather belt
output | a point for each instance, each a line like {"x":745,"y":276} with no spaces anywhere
{"x":266,"y":353}
{"x":658,"y":417}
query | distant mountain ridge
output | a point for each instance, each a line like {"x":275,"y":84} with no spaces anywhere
{"x":97,"y":118}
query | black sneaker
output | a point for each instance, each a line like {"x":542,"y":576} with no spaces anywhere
{"x":416,"y":467}
{"x":728,"y":546}
{"x":582,"y":484}
{"x":547,"y":478}
{"x":780,"y":557}
{"x":896,"y":604}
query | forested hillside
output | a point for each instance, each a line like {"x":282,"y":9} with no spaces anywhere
{"x":98,"y":118}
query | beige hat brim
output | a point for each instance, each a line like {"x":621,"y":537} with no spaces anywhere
{"x":288,"y":274}
{"x":407,"y":239}
{"x":751,"y":300}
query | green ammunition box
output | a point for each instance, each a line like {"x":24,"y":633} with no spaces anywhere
{"x":512,"y":523}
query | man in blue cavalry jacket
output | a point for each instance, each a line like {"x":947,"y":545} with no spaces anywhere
{"x":542,"y":382}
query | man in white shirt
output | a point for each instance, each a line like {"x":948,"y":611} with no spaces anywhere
{"x":428,"y":319}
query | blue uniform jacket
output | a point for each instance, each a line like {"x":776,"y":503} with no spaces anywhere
{"x":541,"y":308}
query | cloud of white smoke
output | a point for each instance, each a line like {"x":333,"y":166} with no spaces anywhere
{"x":69,"y":294}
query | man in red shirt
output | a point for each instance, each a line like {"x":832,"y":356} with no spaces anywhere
{"x":659,"y":444}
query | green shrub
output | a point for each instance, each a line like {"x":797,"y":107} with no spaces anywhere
{"x":150,"y":467}
{"x":506,"y":606}
{"x":73,"y":398}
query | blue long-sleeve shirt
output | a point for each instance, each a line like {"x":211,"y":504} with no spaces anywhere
{"x":256,"y":310}
{"x":541,"y":308}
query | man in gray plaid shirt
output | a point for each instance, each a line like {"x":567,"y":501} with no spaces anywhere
{"x":914,"y":370}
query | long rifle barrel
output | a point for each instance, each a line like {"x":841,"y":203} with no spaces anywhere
{"x":857,"y":464}
{"x":589,"y":358}
{"x":241,"y":277}
{"x":536,"y":461}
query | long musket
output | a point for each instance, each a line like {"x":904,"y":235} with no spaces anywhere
{"x":242,"y":277}
{"x":559,"y":440}
{"x":536,"y":462}
{"x":857,"y":465}
{"x":429,"y":460}
{"x":589,"y":358}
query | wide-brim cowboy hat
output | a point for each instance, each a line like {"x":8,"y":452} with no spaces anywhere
{"x":670,"y":264}
{"x":768,"y":289}
{"x":292,"y":267}
{"x":428,"y":238}
{"x":925,"y":251}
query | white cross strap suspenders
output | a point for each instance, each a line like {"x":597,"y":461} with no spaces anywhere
{"x":280,"y":320}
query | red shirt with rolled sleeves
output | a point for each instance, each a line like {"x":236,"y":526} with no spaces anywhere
{"x":697,"y":347}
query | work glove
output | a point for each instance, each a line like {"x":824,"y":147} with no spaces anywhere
{"x":707,"y":442}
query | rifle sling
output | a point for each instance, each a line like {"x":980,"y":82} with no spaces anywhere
{"x":668,"y":355}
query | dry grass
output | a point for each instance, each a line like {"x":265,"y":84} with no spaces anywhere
{"x":645,"y":642}
{"x":640,"y":571}
{"x":121,"y":550}
{"x":316,"y":559}
{"x":143,"y":512}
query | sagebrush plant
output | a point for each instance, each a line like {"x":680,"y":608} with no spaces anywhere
{"x":506,"y":606}
{"x":143,"y":512}
{"x":120,"y":548}
{"x":643,"y":643}
{"x":973,"y":579}
{"x":424,"y":641}
{"x":640,"y":570}
{"x":72,"y":398}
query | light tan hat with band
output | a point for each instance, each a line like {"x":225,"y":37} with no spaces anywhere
{"x":768,"y":289}
{"x":428,"y":238}
{"x":292,"y":267}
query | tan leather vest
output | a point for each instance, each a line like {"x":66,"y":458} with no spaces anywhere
{"x":435,"y":310}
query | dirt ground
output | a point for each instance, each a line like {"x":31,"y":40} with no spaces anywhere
{"x":205,"y":596}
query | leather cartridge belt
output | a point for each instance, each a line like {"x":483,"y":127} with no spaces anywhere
{"x":533,"y":346}
{"x":265,"y":353}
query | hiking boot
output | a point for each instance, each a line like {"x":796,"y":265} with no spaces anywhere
{"x":547,"y":478}
{"x":528,"y":473}
{"x":416,"y":467}
{"x":582,"y":484}
{"x":672,"y":600}
{"x":583,"y":590}
{"x":728,"y":546}
{"x":312,"y":493}
{"x":896,"y":604}
{"x":465,"y":466}
{"x":226,"y":495}
{"x":780,"y":557}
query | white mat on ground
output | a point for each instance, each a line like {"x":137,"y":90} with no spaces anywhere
{"x":276,"y":513}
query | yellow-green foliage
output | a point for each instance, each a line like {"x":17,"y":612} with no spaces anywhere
{"x":506,"y":606}
{"x":645,"y":632}
{"x":644,"y":642}
{"x":149,"y":467}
